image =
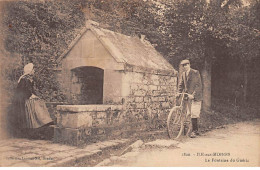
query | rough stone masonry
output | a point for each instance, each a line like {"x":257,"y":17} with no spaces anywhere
{"x":135,"y":86}
{"x":151,"y":95}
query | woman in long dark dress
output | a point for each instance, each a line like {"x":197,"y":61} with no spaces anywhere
{"x":29,"y":114}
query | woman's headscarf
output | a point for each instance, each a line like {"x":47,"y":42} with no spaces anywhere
{"x":28,"y":68}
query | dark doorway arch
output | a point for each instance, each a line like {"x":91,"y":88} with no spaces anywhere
{"x":89,"y":81}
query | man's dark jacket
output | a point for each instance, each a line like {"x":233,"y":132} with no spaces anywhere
{"x":191,"y":85}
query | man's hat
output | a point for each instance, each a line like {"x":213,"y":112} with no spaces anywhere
{"x":185,"y":62}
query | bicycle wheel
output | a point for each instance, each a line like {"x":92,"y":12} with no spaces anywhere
{"x":175,"y":123}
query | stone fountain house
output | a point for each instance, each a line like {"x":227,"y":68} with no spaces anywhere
{"x":117,"y":85}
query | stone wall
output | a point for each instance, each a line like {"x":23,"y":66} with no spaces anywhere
{"x":146,"y":97}
{"x":150,"y":96}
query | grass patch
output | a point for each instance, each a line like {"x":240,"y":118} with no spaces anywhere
{"x":224,"y":113}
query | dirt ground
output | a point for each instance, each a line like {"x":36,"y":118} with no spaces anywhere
{"x":235,"y":145}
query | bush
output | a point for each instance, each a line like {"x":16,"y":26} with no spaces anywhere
{"x":40,"y":32}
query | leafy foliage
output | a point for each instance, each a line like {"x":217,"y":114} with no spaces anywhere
{"x":40,"y":32}
{"x":178,"y":29}
{"x":213,"y":30}
{"x":197,"y":29}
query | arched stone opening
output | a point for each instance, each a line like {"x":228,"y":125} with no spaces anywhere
{"x":87,"y":85}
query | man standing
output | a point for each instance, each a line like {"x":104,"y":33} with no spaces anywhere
{"x":191,"y":83}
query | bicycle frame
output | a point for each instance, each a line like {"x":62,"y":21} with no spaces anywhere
{"x":180,"y":118}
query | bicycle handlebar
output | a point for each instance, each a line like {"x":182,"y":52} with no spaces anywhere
{"x":182,"y":93}
{"x":184,"y":96}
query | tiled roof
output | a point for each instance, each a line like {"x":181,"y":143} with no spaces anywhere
{"x":125,"y":49}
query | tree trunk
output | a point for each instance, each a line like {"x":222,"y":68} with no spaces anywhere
{"x":245,"y":83}
{"x":206,"y":84}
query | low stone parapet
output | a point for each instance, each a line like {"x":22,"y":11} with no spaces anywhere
{"x":85,"y":108}
{"x":78,"y":124}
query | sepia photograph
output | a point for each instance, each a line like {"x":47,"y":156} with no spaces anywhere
{"x":130,"y":83}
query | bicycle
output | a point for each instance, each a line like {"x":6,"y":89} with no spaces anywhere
{"x":178,"y":120}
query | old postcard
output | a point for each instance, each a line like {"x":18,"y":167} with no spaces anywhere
{"x":129,"y":83}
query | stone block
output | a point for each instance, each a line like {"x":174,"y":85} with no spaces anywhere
{"x":155,"y":99}
{"x":130,"y":99}
{"x":156,"y":93}
{"x":133,"y":77}
{"x":149,"y":93}
{"x":147,"y":99}
{"x":173,"y":80}
{"x":147,"y":76}
{"x":156,"y":105}
{"x":171,"y":89}
{"x":140,"y":105}
{"x":128,"y":77}
{"x":163,"y":92}
{"x":74,"y":120}
{"x":161,"y":99}
{"x":147,"y":105}
{"x":167,"y":78}
{"x":145,"y":81}
{"x":117,"y":100}
{"x":102,"y":108}
{"x":143,"y":87}
{"x":155,"y":79}
{"x":101,"y":115}
{"x":139,"y":93}
{"x":99,"y":122}
{"x":131,"y":105}
{"x":165,"y":105}
{"x":66,"y":135}
{"x":163,"y":88}
{"x":134,"y":86}
{"x":125,"y":89}
{"x":76,"y":108}
{"x":112,"y":89}
{"x":116,"y":107}
{"x":86,"y":108}
{"x":139,"y":99}
{"x":156,"y":82}
{"x":112,"y":76}
{"x":163,"y":82}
